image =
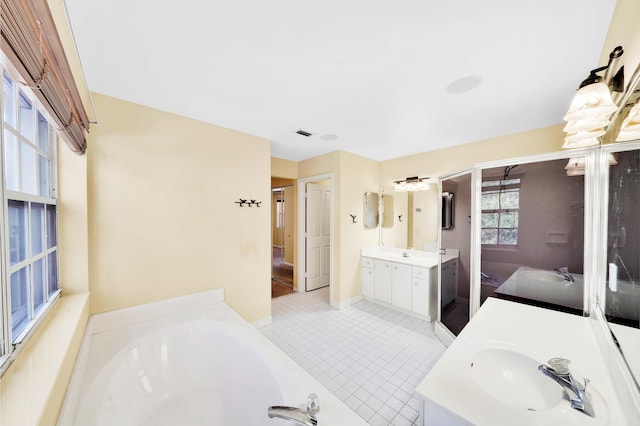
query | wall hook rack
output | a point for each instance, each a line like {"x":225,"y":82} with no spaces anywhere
{"x":400,"y":218}
{"x":242,"y":202}
{"x":353,"y":218}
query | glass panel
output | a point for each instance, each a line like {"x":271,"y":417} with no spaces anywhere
{"x":9,"y":100}
{"x":509,"y":199}
{"x":509,"y":220}
{"x":37,"y":228}
{"x":52,"y":232}
{"x":623,"y":264}
{"x":541,"y":225}
{"x":455,"y":280}
{"x":28,"y":168}
{"x":489,"y":220}
{"x":11,"y":164}
{"x":489,"y":236}
{"x":39,"y":285}
{"x":508,"y":237}
{"x":489,"y":201}
{"x":18,"y":231}
{"x":44,"y":176}
{"x":20,"y":315}
{"x":43,"y":133}
{"x":26,"y":118}
{"x":52,"y":261}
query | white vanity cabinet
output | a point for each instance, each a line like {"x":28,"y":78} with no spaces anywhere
{"x":366,"y":277}
{"x":449,"y":281}
{"x":382,"y":281}
{"x":424,"y":291}
{"x":400,"y":285}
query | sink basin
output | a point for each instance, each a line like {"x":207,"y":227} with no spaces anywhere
{"x":546,"y":276}
{"x":513,"y":379}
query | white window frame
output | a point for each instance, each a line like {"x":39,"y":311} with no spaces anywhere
{"x":10,"y":346}
{"x":502,"y":187}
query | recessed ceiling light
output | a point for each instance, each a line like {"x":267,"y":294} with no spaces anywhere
{"x":329,"y":137}
{"x":464,"y":84}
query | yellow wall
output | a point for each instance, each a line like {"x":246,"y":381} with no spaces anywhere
{"x":163,"y":221}
{"x":352,"y":177}
{"x":73,"y":241}
{"x":624,"y":31}
{"x":284,"y":168}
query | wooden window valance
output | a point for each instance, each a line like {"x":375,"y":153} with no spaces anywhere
{"x":32,"y":44}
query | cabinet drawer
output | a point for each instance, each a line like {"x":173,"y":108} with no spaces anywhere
{"x":420,"y":272}
{"x":367,"y":262}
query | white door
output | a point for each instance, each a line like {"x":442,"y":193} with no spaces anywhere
{"x":318,"y":259}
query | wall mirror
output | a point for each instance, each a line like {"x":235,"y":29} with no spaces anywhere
{"x":620,"y":299}
{"x":416,"y":219}
{"x":532,"y":221}
{"x":387,"y":211}
{"x":447,"y":210}
{"x":371,"y":210}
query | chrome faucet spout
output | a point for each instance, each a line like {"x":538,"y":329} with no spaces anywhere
{"x":564,"y":271}
{"x":297,"y":415}
{"x":559,"y":372}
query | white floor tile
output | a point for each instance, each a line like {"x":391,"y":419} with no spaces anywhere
{"x":365,"y":352}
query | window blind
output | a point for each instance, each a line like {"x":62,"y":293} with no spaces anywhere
{"x":32,"y":44}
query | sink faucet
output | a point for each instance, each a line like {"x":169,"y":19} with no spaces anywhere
{"x":564,"y":271}
{"x":304,"y":417}
{"x":558,"y":370}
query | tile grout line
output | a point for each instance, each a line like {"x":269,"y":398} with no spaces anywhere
{"x":328,"y":343}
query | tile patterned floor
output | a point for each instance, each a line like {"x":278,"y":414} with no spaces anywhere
{"x":370,"y":356}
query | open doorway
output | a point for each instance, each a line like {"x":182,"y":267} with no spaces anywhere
{"x":315,"y":241}
{"x":282,"y":237}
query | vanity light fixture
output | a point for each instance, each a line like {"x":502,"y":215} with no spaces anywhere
{"x":592,"y":106}
{"x":575,"y":166}
{"x":630,"y":128}
{"x":414,"y":183}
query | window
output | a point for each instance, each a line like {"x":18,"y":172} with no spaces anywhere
{"x":500,"y":203}
{"x":29,"y":278}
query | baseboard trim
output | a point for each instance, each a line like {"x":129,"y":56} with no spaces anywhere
{"x":262,"y":322}
{"x":345,"y":303}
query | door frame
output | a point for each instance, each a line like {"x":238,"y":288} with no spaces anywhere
{"x":302,"y":217}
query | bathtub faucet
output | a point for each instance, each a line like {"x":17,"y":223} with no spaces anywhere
{"x":304,"y":417}
{"x":558,"y":370}
{"x":564,"y":271}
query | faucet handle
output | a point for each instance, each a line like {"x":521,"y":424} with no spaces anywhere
{"x":560,"y":365}
{"x":312,"y":404}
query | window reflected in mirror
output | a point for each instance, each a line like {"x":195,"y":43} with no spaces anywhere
{"x":532,"y":235}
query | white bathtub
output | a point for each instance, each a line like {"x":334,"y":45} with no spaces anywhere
{"x":188,"y":361}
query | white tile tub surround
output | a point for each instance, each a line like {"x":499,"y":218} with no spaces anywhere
{"x":112,"y":371}
{"x":369,"y":356}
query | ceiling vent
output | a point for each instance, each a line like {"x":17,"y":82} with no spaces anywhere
{"x":303,"y":133}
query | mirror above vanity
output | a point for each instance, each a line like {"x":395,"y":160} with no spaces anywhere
{"x":371,"y":210}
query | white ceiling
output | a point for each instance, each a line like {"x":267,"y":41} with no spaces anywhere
{"x":375,"y":73}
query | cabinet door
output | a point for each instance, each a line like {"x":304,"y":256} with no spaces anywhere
{"x":448,"y":282}
{"x":401,"y":286}
{"x":382,"y":281}
{"x":367,"y":282}
{"x":420,"y":296}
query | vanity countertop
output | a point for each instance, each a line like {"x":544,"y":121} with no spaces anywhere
{"x":538,"y":333}
{"x":422,"y":258}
